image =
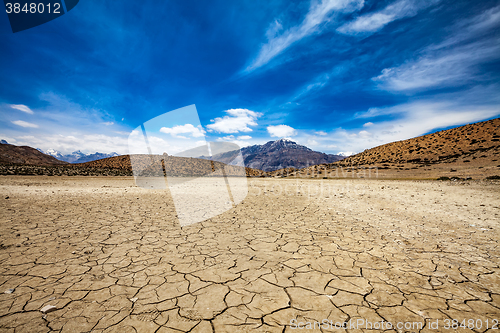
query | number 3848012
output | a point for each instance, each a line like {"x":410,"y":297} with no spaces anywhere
{"x":471,"y":324}
{"x":33,"y":8}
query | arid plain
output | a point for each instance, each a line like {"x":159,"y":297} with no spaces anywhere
{"x":111,"y":257}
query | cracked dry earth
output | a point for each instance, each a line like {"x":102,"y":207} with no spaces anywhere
{"x":111,"y":257}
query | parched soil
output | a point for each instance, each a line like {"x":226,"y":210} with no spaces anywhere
{"x":111,"y":257}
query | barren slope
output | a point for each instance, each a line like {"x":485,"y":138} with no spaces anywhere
{"x":469,"y":142}
{"x":11,"y":154}
{"x":467,"y":151}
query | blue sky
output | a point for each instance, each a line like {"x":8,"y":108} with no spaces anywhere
{"x":337,"y":76}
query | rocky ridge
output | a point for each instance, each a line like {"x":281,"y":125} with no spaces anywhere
{"x":284,"y":153}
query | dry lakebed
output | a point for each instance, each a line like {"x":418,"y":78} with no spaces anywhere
{"x":98,"y":254}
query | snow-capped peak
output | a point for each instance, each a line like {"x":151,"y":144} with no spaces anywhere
{"x":52,"y":152}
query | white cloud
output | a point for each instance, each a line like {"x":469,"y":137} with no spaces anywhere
{"x":22,"y":108}
{"x":319,"y":12}
{"x":364,"y":134}
{"x":373,"y":22}
{"x":346,"y":153}
{"x":195,"y":132}
{"x":281,"y":131}
{"x":160,"y":143}
{"x":237,"y":120}
{"x":108,"y":123}
{"x":312,"y":142}
{"x":87,"y":143}
{"x":24,"y":124}
{"x":368,"y":124}
{"x":323,"y":133}
{"x":244,"y":137}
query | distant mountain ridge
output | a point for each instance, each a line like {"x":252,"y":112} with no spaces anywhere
{"x":284,"y":153}
{"x":77,"y":156}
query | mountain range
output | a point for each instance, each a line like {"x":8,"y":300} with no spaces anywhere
{"x":76,"y":156}
{"x":271,"y":156}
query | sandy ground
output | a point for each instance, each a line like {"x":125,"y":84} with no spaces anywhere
{"x":111,"y":257}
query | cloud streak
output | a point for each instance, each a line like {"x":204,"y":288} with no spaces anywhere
{"x":319,"y":12}
{"x":454,"y":62}
{"x":22,"y":108}
{"x":373,"y":22}
{"x":25,"y":124}
{"x":448,"y":68}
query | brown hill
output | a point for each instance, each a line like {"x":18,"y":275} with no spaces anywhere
{"x":472,"y":150}
{"x":117,"y":166}
{"x":11,"y":154}
{"x":470,"y":141}
{"x":121,"y":162}
{"x":175,"y":166}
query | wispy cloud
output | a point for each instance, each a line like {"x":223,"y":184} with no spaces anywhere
{"x":471,"y":28}
{"x":24,"y":124}
{"x":318,"y":13}
{"x":453,"y":62}
{"x":372,"y":22}
{"x":22,"y":108}
{"x":237,"y":120}
{"x":447,"y":68}
{"x":316,"y":84}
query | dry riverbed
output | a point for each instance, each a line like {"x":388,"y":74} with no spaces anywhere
{"x":353,"y":253}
